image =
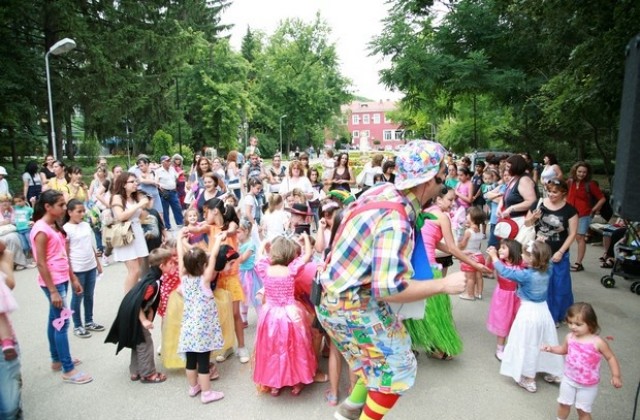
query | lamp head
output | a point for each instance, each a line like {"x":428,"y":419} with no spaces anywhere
{"x":63,"y":46}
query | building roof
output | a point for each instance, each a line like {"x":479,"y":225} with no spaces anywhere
{"x":380,"y":106}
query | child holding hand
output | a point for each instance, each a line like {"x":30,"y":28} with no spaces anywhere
{"x":471,"y":244}
{"x":584,"y":350}
{"x":533,"y":325}
{"x":284,"y":327}
{"x":200,"y":332}
{"x":505,"y":302}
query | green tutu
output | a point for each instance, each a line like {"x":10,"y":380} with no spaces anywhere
{"x":437,"y":330}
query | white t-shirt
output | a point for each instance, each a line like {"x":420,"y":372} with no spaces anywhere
{"x":82,"y":252}
{"x":274,"y":223}
{"x":302,"y":183}
{"x":4,"y":186}
{"x":167,"y":178}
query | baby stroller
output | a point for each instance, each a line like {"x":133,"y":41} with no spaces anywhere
{"x":627,"y":260}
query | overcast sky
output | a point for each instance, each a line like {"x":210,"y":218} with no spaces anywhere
{"x":353,"y":24}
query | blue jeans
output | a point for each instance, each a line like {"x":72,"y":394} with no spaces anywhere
{"x":88,"y":281}
{"x":24,"y":240}
{"x":10,"y":389}
{"x":59,"y":340}
{"x":174,"y":203}
{"x":98,"y":234}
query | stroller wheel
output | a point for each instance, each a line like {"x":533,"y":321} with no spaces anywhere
{"x":608,"y":282}
{"x":635,"y":287}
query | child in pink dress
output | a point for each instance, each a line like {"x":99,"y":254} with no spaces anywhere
{"x":504,"y":302}
{"x":283,"y":352}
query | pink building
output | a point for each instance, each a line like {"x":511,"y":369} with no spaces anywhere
{"x":370,"y":127}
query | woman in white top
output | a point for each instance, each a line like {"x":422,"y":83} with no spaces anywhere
{"x":127,"y":204}
{"x":370,"y":170}
{"x":297,"y":179}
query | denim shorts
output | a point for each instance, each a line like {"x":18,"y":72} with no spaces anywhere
{"x":583,"y":225}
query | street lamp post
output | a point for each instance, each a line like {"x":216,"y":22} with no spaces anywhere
{"x":63,"y":46}
{"x":281,"y":117}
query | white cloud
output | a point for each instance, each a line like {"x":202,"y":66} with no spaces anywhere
{"x":353,"y":23}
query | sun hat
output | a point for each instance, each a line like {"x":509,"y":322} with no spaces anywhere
{"x":300,"y":209}
{"x":3,"y":171}
{"x":418,"y":162}
{"x":343,"y":196}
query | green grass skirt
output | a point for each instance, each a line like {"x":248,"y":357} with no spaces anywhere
{"x":437,"y":330}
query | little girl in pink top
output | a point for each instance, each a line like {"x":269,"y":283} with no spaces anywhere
{"x":504,"y":302}
{"x":584,"y":350}
{"x":48,"y":242}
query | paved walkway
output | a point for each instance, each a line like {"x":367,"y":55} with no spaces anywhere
{"x":468,"y":387}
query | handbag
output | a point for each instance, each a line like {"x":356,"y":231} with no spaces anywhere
{"x":316,"y":291}
{"x":6,"y":229}
{"x":118,"y":234}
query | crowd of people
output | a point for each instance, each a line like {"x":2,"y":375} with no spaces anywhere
{"x":353,"y":268}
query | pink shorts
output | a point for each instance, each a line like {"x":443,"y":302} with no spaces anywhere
{"x":479,"y":258}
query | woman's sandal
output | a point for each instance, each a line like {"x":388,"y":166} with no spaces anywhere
{"x":80,"y":378}
{"x":297,"y":389}
{"x":154,"y":378}
{"x":577,"y":267}
{"x":135,"y":377}
{"x":213,"y":372}
{"x":607,"y":264}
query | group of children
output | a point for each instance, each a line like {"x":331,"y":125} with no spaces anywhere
{"x":274,"y":278}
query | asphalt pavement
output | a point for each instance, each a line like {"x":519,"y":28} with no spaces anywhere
{"x":468,"y":387}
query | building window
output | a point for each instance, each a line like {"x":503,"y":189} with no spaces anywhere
{"x":365,"y":119}
{"x":355,"y":119}
{"x":356,"y":134}
{"x":388,"y":134}
{"x":376,"y":118}
{"x":399,"y":134}
{"x":387,"y":120}
{"x":365,"y":133}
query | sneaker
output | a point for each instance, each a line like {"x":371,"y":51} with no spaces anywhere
{"x":222,"y":357}
{"x":92,"y":326}
{"x":347,"y":412}
{"x":211,"y":396}
{"x":81,"y":332}
{"x":528,"y":385}
{"x":552,"y":379}
{"x":243,"y":355}
{"x":104,"y":261}
{"x":194,"y":390}
{"x":499,"y":354}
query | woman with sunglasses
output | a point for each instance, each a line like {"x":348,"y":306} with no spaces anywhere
{"x":556,"y":223}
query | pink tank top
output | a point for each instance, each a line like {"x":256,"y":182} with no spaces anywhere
{"x":582,"y":364}
{"x":56,"y":255}
{"x":431,"y":235}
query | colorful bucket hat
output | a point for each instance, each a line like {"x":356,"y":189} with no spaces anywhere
{"x":418,"y":162}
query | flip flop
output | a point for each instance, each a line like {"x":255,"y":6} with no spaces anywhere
{"x":57,"y":366}
{"x":213,"y":372}
{"x":274,"y":392}
{"x":154,"y":378}
{"x":79,"y":378}
{"x":607,"y":264}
